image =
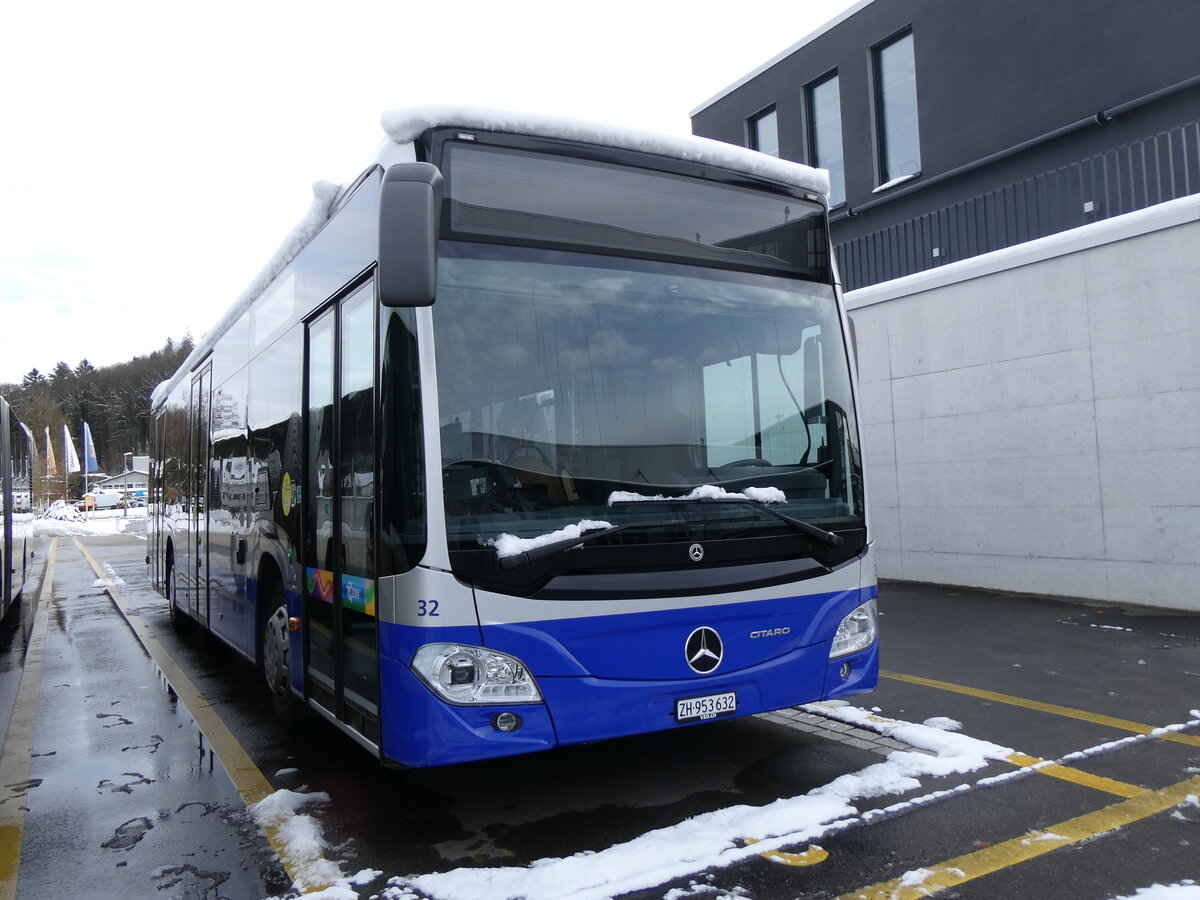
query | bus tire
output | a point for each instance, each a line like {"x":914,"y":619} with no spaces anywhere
{"x":177,"y":617}
{"x":276,"y":661}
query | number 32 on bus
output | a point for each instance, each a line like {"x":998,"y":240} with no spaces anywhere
{"x":534,"y":434}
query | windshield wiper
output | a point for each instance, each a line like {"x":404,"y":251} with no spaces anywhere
{"x":819,"y":534}
{"x":812,"y":531}
{"x":507,"y":563}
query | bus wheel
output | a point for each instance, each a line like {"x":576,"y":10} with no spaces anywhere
{"x":174,"y":615}
{"x":276,"y":663}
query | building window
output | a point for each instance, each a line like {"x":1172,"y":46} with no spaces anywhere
{"x":825,"y":135}
{"x":896,"y":109}
{"x":764,"y":132}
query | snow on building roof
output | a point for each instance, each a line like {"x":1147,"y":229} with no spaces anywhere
{"x":403,"y":126}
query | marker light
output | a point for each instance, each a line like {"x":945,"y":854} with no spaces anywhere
{"x":856,"y":632}
{"x":464,"y":674}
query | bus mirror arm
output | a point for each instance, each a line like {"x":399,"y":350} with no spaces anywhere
{"x":409,"y":213}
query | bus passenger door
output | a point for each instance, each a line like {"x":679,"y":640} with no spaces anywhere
{"x":342,"y":657}
{"x":196,"y":570}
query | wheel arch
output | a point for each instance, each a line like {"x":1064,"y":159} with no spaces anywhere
{"x":270,"y":579}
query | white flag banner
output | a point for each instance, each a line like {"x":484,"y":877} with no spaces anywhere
{"x":69,"y":451}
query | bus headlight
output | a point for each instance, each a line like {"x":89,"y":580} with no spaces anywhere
{"x":465,"y":674}
{"x":856,"y":632}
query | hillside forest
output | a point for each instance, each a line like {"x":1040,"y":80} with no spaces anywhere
{"x":113,"y":400}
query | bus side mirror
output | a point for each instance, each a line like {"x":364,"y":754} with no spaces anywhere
{"x":409,"y":213}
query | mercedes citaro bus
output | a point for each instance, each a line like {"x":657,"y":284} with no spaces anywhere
{"x":536,"y":433}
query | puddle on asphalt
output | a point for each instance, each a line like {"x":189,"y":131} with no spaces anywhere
{"x":20,"y":789}
{"x":156,"y":741}
{"x":189,"y":881}
{"x":128,"y":834}
{"x":127,"y":787}
{"x":123,"y":720}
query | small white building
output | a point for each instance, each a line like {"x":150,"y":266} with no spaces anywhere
{"x":134,"y":481}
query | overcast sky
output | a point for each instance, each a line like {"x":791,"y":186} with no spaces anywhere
{"x":153,"y":155}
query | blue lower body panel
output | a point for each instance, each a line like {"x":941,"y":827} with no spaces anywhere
{"x":593,"y":709}
{"x":419,"y":729}
{"x":771,"y":666}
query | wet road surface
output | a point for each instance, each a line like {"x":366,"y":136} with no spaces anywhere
{"x":126,"y":797}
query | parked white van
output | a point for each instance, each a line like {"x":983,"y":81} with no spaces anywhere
{"x":103,"y":499}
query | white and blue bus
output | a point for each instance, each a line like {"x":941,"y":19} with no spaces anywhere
{"x":534,"y":434}
{"x":18,"y":459}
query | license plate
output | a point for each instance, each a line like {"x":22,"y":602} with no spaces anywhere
{"x":709,"y":707}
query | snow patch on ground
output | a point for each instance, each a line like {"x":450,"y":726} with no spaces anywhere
{"x":1184,"y":890}
{"x":63,"y":520}
{"x":298,"y":836}
{"x":720,"y":838}
{"x":113,"y":579}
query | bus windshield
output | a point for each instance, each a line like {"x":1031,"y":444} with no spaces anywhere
{"x":579,"y":388}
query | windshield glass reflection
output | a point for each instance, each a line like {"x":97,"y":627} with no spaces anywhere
{"x":563,"y":378}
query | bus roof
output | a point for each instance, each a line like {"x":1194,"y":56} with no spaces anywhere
{"x":404,"y":126}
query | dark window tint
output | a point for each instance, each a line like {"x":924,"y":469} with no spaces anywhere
{"x":356,"y":497}
{"x":320,"y":486}
{"x":402,"y":486}
{"x":513,"y":196}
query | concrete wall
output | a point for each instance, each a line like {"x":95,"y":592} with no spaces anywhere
{"x":1031,"y":417}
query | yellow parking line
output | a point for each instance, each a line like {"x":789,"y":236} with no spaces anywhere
{"x":1076,"y":776}
{"x":962,"y":869}
{"x":249,"y":781}
{"x":1053,"y":709}
{"x":17,"y":757}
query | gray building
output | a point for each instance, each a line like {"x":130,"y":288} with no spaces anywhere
{"x":133,"y":481}
{"x":952,"y":129}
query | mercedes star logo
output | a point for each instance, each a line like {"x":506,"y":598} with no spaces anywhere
{"x":703,"y":650}
{"x":696,"y":552}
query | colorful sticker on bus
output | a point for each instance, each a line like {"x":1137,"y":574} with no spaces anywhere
{"x":319,"y":583}
{"x":358,"y":594}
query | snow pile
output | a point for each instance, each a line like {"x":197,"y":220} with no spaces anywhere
{"x":935,"y":735}
{"x":704,"y":492}
{"x":62,"y":511}
{"x":511,"y":545}
{"x":721,"y":837}
{"x":297,"y":837}
{"x":113,"y":579}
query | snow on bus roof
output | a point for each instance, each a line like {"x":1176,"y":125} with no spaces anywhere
{"x":403,"y":126}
